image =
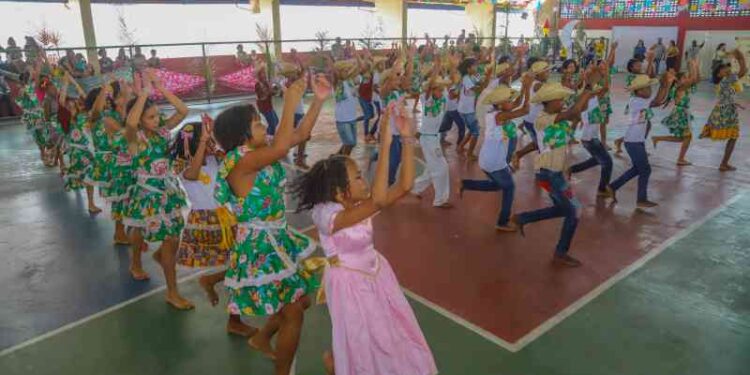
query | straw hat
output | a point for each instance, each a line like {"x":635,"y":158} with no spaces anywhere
{"x":287,"y":69}
{"x":379,"y":60}
{"x":347,"y":67}
{"x":439,"y":82}
{"x":502,"y":68}
{"x":640,"y":81}
{"x":551,"y":91}
{"x":539,"y":66}
{"x":501,"y":94}
{"x":426,"y":70}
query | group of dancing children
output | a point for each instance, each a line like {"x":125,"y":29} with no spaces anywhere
{"x":228,"y":172}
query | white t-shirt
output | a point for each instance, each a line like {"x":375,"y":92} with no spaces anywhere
{"x":346,"y":102}
{"x":534,"y":111}
{"x":589,"y":131}
{"x":636,"y":131}
{"x":431,"y":123}
{"x":201,"y":191}
{"x":493,"y":154}
{"x":467,"y":100}
{"x":482,"y":109}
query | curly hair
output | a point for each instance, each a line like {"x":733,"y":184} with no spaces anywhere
{"x":322,"y":182}
{"x":232,"y":127}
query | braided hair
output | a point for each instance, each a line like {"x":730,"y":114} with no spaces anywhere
{"x":322,"y":182}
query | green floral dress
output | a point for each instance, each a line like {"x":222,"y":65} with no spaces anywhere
{"x":723,"y":122}
{"x":33,"y":115}
{"x":122,"y":177}
{"x":78,"y":151}
{"x":155,"y":200}
{"x":678,"y":121}
{"x":104,"y":158}
{"x":263,"y":274}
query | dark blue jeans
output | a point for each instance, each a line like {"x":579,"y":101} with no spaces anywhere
{"x":531,"y":131}
{"x":374,"y":128}
{"x":641,"y":169}
{"x":449,"y":118}
{"x":394,"y":158}
{"x":563,"y":205}
{"x":501,"y":180}
{"x":599,"y":156}
{"x":273,"y":120}
{"x":368,"y":112}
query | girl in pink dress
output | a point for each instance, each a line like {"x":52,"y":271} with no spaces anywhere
{"x":374,"y":329}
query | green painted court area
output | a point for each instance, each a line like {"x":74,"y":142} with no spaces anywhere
{"x":685,"y":312}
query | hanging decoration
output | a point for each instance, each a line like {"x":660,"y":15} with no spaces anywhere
{"x":514,"y":4}
{"x":719,"y":8}
{"x":577,"y":9}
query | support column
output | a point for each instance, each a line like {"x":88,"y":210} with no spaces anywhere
{"x":270,"y":11}
{"x":482,"y":16}
{"x":89,"y":34}
{"x":393,"y":15}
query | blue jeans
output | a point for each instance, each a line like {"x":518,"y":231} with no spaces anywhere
{"x":272,"y":120}
{"x":367,"y":113}
{"x":394,"y":158}
{"x":599,"y":156}
{"x":347,"y":132}
{"x":470,"y":119}
{"x":374,"y":128}
{"x":449,"y":118}
{"x":563,"y":205}
{"x":531,"y":131}
{"x":512,"y":144}
{"x":297,"y":119}
{"x":501,"y":180}
{"x":641,"y":169}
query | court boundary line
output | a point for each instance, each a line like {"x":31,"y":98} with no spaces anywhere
{"x":571,"y":309}
{"x":515,"y":347}
{"x":94,"y":316}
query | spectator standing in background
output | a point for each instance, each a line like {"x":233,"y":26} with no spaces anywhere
{"x":673,"y":53}
{"x":139,"y":60}
{"x":154,"y":62}
{"x":106,"y":65}
{"x":639,"y":52}
{"x":242,"y":57}
{"x":659,"y":54}
{"x":122,"y":59}
{"x":337,"y":50}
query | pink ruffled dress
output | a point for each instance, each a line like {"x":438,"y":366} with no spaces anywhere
{"x":374,"y":328}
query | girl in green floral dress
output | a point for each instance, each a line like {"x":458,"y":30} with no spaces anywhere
{"x":723,"y":123}
{"x":264,"y":276}
{"x":77,"y":145}
{"x":155,"y":200}
{"x":112,"y":161}
{"x":678,"y":121}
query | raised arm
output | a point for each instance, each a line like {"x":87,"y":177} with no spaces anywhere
{"x":193,"y":170}
{"x":284,"y":138}
{"x":101,"y":100}
{"x":611,"y":57}
{"x":405,"y":180}
{"x":181,"y":110}
{"x":523,"y":110}
{"x":666,"y":83}
{"x":322,"y":90}
{"x":134,"y":117}
{"x":650,"y":69}
{"x":741,"y":60}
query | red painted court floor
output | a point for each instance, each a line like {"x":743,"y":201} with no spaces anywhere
{"x":504,"y":283}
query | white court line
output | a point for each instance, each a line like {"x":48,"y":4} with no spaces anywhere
{"x":94,"y":316}
{"x":512,"y":347}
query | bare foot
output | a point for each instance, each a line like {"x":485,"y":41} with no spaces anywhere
{"x":94,"y":210}
{"x":213,"y":298}
{"x":139,"y":274}
{"x":683,"y":163}
{"x":726,"y":168}
{"x":263,"y":345}
{"x":236,"y":327}
{"x":328,"y":363}
{"x":179,"y":302}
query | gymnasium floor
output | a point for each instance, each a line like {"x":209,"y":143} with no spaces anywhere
{"x":660,"y":292}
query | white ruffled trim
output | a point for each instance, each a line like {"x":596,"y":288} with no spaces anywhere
{"x":267,"y":279}
{"x":143,"y":223}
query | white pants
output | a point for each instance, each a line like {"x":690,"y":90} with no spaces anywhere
{"x":436,"y":173}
